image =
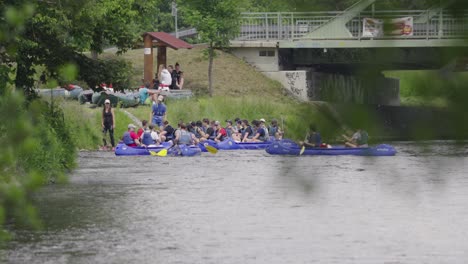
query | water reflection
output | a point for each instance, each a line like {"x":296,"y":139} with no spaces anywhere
{"x":249,"y":207}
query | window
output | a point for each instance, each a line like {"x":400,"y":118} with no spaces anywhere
{"x":266,"y":53}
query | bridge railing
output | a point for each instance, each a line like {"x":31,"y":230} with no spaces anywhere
{"x":294,"y":25}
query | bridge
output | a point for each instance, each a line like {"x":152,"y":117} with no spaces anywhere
{"x":321,"y":55}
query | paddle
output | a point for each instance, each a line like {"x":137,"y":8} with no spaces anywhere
{"x":211,"y":149}
{"x":161,"y":153}
{"x":303,"y":144}
{"x":302,"y":150}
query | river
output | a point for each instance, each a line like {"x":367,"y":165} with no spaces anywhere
{"x":250,"y":207}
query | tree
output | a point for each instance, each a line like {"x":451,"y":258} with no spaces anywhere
{"x":216,"y":21}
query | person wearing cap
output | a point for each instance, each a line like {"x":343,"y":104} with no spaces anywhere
{"x":108,"y":124}
{"x":262,"y":124}
{"x":130,"y":138}
{"x":219,"y":132}
{"x":158,"y":113}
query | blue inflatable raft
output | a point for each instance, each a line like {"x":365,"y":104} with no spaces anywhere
{"x":291,"y":148}
{"x":179,"y":150}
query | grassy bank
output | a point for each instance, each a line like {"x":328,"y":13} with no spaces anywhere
{"x":85,"y":124}
{"x":293,"y":116}
{"x":428,"y":88}
{"x":231,"y":76}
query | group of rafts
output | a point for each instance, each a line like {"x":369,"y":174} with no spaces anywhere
{"x":274,"y":147}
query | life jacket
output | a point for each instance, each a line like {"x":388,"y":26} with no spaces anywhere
{"x":214,"y":134}
{"x":363,"y":138}
{"x":170,"y":132}
{"x":314,"y":138}
{"x":272,"y":130}
{"x":197,"y":132}
{"x":262,"y":135}
{"x":147,"y":139}
{"x":185,"y":137}
{"x":127,"y":139}
{"x":228,"y":132}
{"x":159,"y":109}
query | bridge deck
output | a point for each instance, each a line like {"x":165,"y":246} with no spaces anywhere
{"x":430,"y":28}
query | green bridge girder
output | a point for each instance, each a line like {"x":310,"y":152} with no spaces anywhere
{"x":336,"y":27}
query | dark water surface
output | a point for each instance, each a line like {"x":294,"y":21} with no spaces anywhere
{"x":250,"y":207}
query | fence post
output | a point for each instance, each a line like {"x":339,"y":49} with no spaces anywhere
{"x":441,"y":23}
{"x":280,"y":26}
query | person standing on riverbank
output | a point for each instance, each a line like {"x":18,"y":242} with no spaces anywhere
{"x":158,"y":113}
{"x":108,"y":124}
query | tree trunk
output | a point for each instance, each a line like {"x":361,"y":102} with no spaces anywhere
{"x":94,"y":55}
{"x":210,"y":70}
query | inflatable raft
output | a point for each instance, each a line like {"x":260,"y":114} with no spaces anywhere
{"x":290,"y":148}
{"x":230,"y":144}
{"x":180,"y":150}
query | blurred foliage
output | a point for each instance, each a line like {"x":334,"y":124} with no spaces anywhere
{"x":36,"y":148}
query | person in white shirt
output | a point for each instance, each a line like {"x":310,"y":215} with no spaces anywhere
{"x":165,"y":78}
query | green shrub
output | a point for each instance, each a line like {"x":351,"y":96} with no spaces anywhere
{"x":36,"y":148}
{"x":111,"y":70}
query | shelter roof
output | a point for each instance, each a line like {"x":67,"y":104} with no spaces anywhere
{"x":169,"y":40}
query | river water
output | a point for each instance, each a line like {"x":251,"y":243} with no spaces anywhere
{"x":250,"y":207}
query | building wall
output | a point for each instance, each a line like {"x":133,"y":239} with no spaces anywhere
{"x":262,"y":59}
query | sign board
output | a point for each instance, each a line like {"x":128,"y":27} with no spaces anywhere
{"x":147,"y":51}
{"x":374,"y":28}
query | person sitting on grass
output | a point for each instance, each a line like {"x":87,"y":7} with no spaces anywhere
{"x":358,"y":140}
{"x":130,"y":138}
{"x":313,"y":139}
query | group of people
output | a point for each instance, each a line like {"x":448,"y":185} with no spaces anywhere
{"x":169,"y":78}
{"x":166,"y":79}
{"x":199,"y":131}
{"x":159,"y":130}
{"x":313,"y":139}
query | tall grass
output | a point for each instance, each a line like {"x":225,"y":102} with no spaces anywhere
{"x":293,"y":116}
{"x":430,"y":88}
{"x":85,"y":124}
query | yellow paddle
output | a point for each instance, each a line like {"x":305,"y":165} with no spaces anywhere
{"x":161,"y":153}
{"x":211,"y":149}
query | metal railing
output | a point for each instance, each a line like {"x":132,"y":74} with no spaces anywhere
{"x":289,"y":26}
